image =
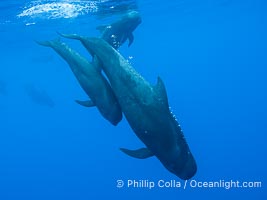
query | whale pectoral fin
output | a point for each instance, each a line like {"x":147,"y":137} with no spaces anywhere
{"x":139,"y":153}
{"x":87,"y":103}
{"x":131,"y":39}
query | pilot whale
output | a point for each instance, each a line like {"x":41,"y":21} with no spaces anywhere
{"x":146,"y":109}
{"x":119,"y":31}
{"x":91,"y":80}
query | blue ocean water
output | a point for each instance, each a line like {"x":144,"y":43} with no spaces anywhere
{"x":212,"y":57}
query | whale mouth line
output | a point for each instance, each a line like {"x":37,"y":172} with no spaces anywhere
{"x":57,"y":10}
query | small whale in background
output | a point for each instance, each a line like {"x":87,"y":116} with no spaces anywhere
{"x":3,"y":88}
{"x":91,"y":80}
{"x":38,"y":95}
{"x":146,"y":109}
{"x":118,"y":32}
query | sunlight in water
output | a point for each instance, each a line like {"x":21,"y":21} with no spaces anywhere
{"x":55,"y":10}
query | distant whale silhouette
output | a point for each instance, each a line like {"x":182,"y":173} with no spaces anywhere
{"x":38,"y":95}
{"x":91,"y":80}
{"x":118,"y":32}
{"x":146,"y":108}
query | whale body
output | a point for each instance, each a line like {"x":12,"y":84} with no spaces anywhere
{"x":146,"y":109}
{"x":91,"y":80}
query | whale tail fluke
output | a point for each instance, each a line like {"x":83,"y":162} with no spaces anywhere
{"x":82,"y":39}
{"x":70,"y":36}
{"x":44,"y":43}
{"x":48,"y":43}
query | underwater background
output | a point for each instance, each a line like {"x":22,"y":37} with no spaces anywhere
{"x":212,"y":57}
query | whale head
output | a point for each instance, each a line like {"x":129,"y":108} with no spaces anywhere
{"x":113,"y":115}
{"x":182,"y":164}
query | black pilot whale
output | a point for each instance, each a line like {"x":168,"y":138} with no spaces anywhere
{"x":119,"y":31}
{"x":91,"y":80}
{"x":146,"y":109}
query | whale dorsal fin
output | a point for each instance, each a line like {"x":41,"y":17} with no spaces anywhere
{"x":87,"y":103}
{"x":160,"y":91}
{"x":139,"y":153}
